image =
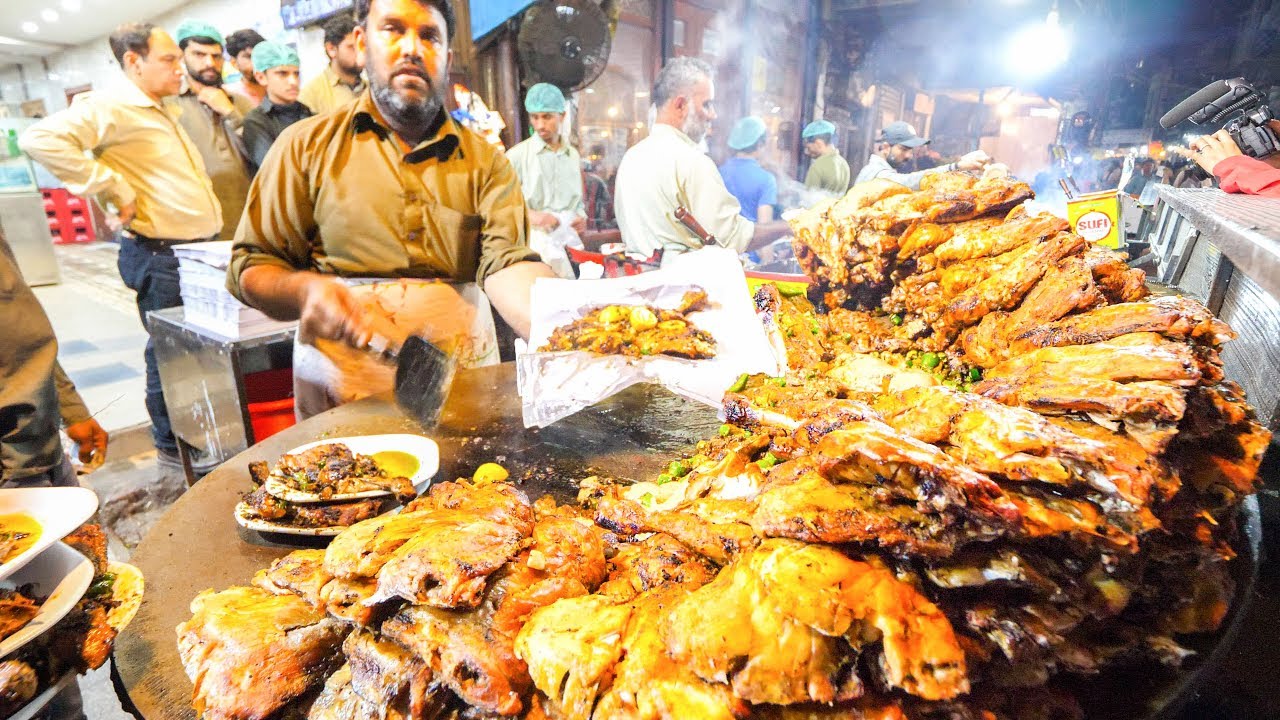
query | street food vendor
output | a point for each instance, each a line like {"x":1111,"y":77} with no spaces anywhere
{"x":829,"y":170}
{"x":549,"y":168}
{"x":894,"y":149}
{"x":387,"y":186}
{"x":666,"y":171}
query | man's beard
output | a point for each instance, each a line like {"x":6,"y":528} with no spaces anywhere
{"x":348,"y":69}
{"x":694,"y":127}
{"x":405,"y":112}
{"x":210,"y":77}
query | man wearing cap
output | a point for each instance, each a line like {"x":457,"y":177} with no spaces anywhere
{"x":549,"y":168}
{"x":127,"y":149}
{"x":341,"y":82}
{"x":667,"y":170}
{"x":213,"y":117}
{"x":755,"y":188}
{"x":894,"y":150}
{"x":829,"y":171}
{"x":275,"y":67}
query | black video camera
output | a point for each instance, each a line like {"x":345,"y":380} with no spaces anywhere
{"x":1224,"y":99}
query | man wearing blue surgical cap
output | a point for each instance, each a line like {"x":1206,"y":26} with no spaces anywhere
{"x":755,"y":187}
{"x":549,"y":168}
{"x":828,"y":171}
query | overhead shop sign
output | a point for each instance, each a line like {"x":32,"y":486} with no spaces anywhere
{"x":296,"y":13}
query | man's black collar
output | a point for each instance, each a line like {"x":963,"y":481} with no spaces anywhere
{"x":440,"y":148}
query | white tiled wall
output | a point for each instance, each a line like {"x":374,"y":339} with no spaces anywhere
{"x":92,"y":63}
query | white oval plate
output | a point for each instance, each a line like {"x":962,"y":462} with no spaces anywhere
{"x":38,"y":702}
{"x":127,"y":592}
{"x":245,"y":520}
{"x":425,"y":449}
{"x":59,"y":572}
{"x":59,"y":510}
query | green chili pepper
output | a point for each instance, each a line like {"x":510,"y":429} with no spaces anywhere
{"x":768,"y":461}
{"x":930,"y":360}
{"x":896,"y":319}
{"x":739,"y":384}
{"x":975,"y":374}
{"x":663,"y":479}
{"x":677,"y":469}
{"x":792,"y":290}
{"x":646,"y":499}
{"x":103,"y":586}
{"x":779,"y":381}
{"x":814,"y":327}
{"x":725,"y":430}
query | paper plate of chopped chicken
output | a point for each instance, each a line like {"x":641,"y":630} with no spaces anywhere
{"x":353,"y":468}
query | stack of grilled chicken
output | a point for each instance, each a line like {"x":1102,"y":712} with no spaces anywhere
{"x":868,"y":537}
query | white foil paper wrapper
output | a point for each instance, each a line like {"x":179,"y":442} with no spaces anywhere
{"x":554,"y":385}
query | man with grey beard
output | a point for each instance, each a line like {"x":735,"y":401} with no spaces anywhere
{"x":667,"y":170}
{"x":387,"y":186}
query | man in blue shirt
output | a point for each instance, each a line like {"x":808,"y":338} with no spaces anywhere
{"x":755,"y":187}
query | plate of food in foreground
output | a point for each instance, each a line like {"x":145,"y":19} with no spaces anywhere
{"x":32,"y":519}
{"x":353,"y":468}
{"x":42,"y":593}
{"x":322,"y":488}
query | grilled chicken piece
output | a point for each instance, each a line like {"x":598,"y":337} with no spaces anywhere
{"x":499,"y":502}
{"x":472,"y":651}
{"x":1063,"y":290}
{"x":1137,"y":377}
{"x":870,"y":452}
{"x":1118,"y":282}
{"x":16,"y":610}
{"x":1017,"y":229}
{"x":775,"y":623}
{"x":18,"y":684}
{"x":716,"y":541}
{"x":1173,"y":316}
{"x":335,"y":514}
{"x":265,"y":505}
{"x":339,"y":701}
{"x":447,"y":561}
{"x":654,"y":562}
{"x":348,"y":599}
{"x":301,"y":572}
{"x":249,"y":652}
{"x":924,"y":238}
{"x":636,"y":331}
{"x":873,"y":708}
{"x":1006,"y":289}
{"x":815,"y":510}
{"x":386,"y":675}
{"x":362,"y":549}
{"x":333,"y":469}
{"x":90,"y":541}
{"x":259,"y":471}
{"x":1021,"y":445}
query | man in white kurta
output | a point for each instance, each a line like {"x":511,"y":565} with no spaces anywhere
{"x":667,"y":170}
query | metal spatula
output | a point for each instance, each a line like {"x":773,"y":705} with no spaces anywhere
{"x":424,"y":375}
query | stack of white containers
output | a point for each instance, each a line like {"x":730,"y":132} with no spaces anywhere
{"x":202,"y":274}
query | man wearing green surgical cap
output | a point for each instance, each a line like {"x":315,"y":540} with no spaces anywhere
{"x":275,"y":66}
{"x":213,"y":117}
{"x":549,"y":168}
{"x":828,"y":171}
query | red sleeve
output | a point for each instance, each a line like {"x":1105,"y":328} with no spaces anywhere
{"x":1242,"y":174}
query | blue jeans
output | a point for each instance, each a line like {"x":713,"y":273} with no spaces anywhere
{"x":150,"y":269}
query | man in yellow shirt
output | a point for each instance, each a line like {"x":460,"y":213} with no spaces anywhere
{"x":341,"y":82}
{"x":388,"y":186}
{"x":129,"y":150}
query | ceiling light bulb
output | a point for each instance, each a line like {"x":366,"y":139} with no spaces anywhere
{"x":30,"y":28}
{"x":49,"y":15}
{"x":70,"y":5}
